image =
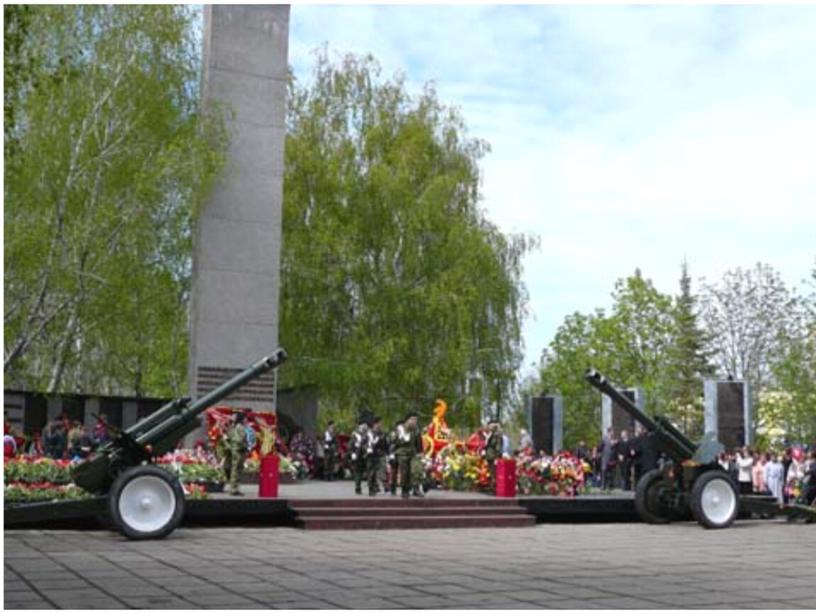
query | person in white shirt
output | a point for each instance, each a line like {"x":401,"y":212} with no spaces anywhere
{"x":745,"y":462}
{"x":774,"y":472}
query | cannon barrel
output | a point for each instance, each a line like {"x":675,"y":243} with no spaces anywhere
{"x":161,"y":431}
{"x":672,"y":440}
{"x":188,"y":414}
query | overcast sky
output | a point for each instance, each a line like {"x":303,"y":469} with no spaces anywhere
{"x":623,"y":136}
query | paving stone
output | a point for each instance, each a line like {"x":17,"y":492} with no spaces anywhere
{"x":548,"y":566}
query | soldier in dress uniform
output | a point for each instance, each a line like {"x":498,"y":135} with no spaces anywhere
{"x":236,"y":449}
{"x":376,"y":448}
{"x":329,"y":452}
{"x":392,"y":458}
{"x":357,"y":444}
{"x":408,"y":448}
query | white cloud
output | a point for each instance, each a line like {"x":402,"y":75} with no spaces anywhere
{"x":624,"y":136}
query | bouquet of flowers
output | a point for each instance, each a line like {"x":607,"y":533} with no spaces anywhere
{"x":195,"y":491}
{"x":562,"y":475}
{"x":464,"y":471}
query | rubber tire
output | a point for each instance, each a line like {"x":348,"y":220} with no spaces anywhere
{"x":141,"y":471}
{"x":644,"y":485}
{"x":697,"y":499}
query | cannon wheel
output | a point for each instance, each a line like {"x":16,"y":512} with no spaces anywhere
{"x":146,"y":502}
{"x":647,"y":498}
{"x":714,"y":500}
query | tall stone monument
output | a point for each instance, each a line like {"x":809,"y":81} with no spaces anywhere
{"x":727,"y":412}
{"x":612,"y":416}
{"x":236,"y":261}
{"x":547,"y":423}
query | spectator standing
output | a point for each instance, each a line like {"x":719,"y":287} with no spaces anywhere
{"x":625,"y":453}
{"x":809,"y":482}
{"x":525,"y":441}
{"x":9,"y":444}
{"x":758,"y":474}
{"x":608,"y":459}
{"x":745,"y":464}
{"x":581,"y":451}
{"x":507,"y":446}
{"x":787,"y":459}
{"x":796,"y":473}
{"x":774,"y":478}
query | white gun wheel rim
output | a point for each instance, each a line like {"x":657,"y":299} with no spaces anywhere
{"x":718,"y":501}
{"x":147,"y":503}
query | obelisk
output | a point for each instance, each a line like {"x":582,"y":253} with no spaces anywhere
{"x":237,"y":235}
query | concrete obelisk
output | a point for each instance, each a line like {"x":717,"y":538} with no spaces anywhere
{"x":236,"y":260}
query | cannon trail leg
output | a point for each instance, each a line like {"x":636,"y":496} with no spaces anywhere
{"x":146,"y":502}
{"x":714,"y":500}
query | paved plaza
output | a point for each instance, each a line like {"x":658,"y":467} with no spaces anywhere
{"x":755,"y":564}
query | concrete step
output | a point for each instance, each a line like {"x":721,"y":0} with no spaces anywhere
{"x":417,"y":511}
{"x":391,"y":502}
{"x":404,"y":522}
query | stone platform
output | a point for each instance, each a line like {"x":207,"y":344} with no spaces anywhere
{"x":321,"y":505}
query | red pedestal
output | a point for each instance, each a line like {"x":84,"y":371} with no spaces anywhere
{"x":268,"y":476}
{"x":505,"y":478}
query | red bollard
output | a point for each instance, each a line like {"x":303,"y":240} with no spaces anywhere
{"x":268,"y":476}
{"x":505,"y":478}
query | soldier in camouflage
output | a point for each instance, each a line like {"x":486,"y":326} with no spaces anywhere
{"x":493,"y":449}
{"x":376,"y":448}
{"x":236,"y":450}
{"x":408,"y":449}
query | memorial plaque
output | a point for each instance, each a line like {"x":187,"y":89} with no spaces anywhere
{"x":728,"y":412}
{"x":617,"y":418}
{"x":546,"y":423}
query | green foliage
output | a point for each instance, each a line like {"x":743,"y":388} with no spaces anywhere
{"x":690,"y":361}
{"x":111,"y":155}
{"x":628,"y":346}
{"x":754,"y":327}
{"x":395,"y":288}
{"x":794,"y":371}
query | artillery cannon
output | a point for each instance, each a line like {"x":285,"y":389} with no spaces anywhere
{"x":146,"y":501}
{"x":692,"y":480}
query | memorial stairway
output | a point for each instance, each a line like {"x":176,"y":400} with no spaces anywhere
{"x":386,"y":512}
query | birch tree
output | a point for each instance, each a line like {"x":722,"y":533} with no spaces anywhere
{"x":110,"y":157}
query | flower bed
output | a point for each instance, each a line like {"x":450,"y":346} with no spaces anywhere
{"x":458,"y":469}
{"x":38,"y":480}
{"x":562,"y":475}
{"x":23,"y":469}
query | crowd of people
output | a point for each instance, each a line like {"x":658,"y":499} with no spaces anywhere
{"x":786,"y":476}
{"x":61,"y":439}
{"x":618,"y":461}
